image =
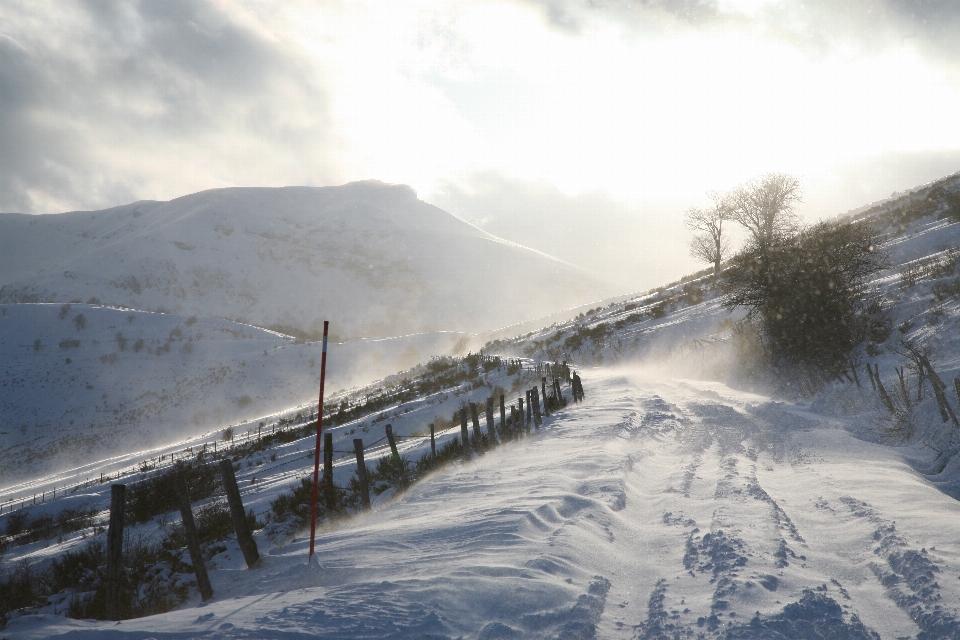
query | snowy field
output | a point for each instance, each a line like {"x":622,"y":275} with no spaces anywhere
{"x":657,"y":508}
{"x":105,"y":389}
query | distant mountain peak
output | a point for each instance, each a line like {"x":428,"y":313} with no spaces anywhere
{"x":367,"y":255}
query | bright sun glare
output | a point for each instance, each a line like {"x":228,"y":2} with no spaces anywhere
{"x":445,"y":89}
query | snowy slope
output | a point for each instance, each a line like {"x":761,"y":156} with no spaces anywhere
{"x":667,"y":505}
{"x":658,"y":508}
{"x":121,"y":381}
{"x":367,"y":256}
{"x":685,"y":327}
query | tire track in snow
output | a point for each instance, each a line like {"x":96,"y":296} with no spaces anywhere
{"x":909,"y":577}
{"x":713,"y":435}
{"x":737,"y":567}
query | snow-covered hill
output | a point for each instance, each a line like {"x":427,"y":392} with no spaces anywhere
{"x":80,"y":383}
{"x":367,"y":256}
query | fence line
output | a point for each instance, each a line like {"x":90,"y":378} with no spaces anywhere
{"x":156,"y":468}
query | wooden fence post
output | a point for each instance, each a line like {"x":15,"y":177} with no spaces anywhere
{"x":476,"y":420}
{"x":529,"y":407}
{"x":247,"y":544}
{"x":190,"y":531}
{"x":503,"y":416}
{"x":362,"y":475}
{"x":556,"y":386}
{"x":513,"y":422}
{"x":938,"y":388}
{"x":491,"y":430}
{"x":393,"y":443}
{"x":886,"y":398}
{"x":433,"y":442}
{"x":328,"y":471}
{"x":115,"y":551}
{"x":523,"y":422}
{"x":853,"y":370}
{"x":537,"y":420}
{"x":464,"y":434}
{"x":543,"y":387}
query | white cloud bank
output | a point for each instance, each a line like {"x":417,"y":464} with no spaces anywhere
{"x":642,"y":105}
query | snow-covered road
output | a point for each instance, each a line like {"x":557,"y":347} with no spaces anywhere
{"x":657,"y":508}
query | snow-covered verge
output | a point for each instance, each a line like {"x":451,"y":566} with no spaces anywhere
{"x":658,"y":507}
{"x":86,"y":383}
{"x":267,"y":467}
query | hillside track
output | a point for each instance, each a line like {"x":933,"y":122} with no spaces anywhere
{"x":657,"y":508}
{"x":746,"y":517}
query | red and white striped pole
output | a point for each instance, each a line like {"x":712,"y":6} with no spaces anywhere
{"x":316,"y":458}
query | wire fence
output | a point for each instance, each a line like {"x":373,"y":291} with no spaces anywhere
{"x":159,"y":468}
{"x":99,"y":519}
{"x":151,"y":467}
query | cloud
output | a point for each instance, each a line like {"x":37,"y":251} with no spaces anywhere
{"x":103,"y":103}
{"x":642,"y":245}
{"x":576,"y":16}
{"x":631,"y":246}
{"x":928,"y":27}
{"x":844,"y":186}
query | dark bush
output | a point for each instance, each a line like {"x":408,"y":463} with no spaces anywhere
{"x":452,"y":450}
{"x":809,"y":295}
{"x":213,"y":524}
{"x":17,"y":522}
{"x":21,"y":585}
{"x":76,"y":569}
{"x":157,"y":494}
{"x":23,"y":529}
{"x":946,"y":290}
{"x":147,"y":588}
{"x":390,"y":472}
{"x":296,"y":503}
{"x":659,"y":310}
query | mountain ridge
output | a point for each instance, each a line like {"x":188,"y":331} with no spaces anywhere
{"x":379,"y":261}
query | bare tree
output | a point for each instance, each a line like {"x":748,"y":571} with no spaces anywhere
{"x":765,"y":206}
{"x":711,"y":244}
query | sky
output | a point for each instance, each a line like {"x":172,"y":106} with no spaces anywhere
{"x":582,"y":128}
